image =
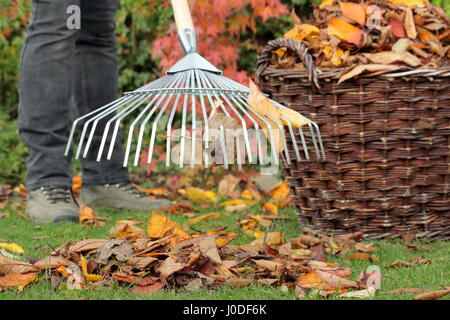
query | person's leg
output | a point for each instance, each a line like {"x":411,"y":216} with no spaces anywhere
{"x":45,"y":89}
{"x":105,"y":183}
{"x":96,"y":85}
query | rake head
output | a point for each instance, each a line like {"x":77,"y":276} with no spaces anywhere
{"x":203,"y":117}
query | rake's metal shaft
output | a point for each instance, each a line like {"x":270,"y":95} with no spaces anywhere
{"x":192,"y":87}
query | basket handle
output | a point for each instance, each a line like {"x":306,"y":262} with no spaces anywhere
{"x":298,"y":48}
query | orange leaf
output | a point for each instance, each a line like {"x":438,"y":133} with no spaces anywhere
{"x":160,"y":226}
{"x":270,"y":209}
{"x":86,"y":213}
{"x":353,"y":11}
{"x":76,"y":184}
{"x":345,"y":31}
{"x":17,"y":280}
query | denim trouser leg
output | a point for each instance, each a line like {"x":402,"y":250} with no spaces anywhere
{"x":66,"y":73}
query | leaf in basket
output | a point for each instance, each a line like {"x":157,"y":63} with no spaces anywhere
{"x":431,"y":40}
{"x":345,"y":31}
{"x":365,"y":67}
{"x":303,"y":31}
{"x":388,"y":57}
{"x":409,"y":3}
{"x":410,"y":26}
{"x":401,"y":45}
{"x":334,"y":55}
{"x":353,"y":11}
{"x":326,"y":3}
{"x":295,"y":118}
{"x":397,"y":28}
{"x":262,"y":105}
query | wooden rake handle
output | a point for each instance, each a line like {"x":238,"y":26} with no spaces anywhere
{"x":182,"y":13}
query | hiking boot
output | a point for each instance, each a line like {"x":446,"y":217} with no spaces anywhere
{"x":119,"y":196}
{"x":51,"y":204}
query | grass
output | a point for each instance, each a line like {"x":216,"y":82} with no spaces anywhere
{"x":16,"y":229}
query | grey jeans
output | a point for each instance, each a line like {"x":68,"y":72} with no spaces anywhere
{"x":64,"y":74}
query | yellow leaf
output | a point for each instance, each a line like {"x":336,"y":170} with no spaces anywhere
{"x":353,"y":11}
{"x":264,"y":222}
{"x":326,"y":3}
{"x":246,"y":194}
{"x":200,"y":195}
{"x":262,"y":106}
{"x":236,"y":202}
{"x":204,"y":217}
{"x":409,"y":3}
{"x":295,"y":118}
{"x":88,"y":276}
{"x":270,"y":209}
{"x":12,"y":247}
{"x":127,"y":231}
{"x":258,"y":234}
{"x":345,"y":31}
{"x":303,"y":31}
{"x":159,"y":226}
{"x":281,"y":194}
{"x":212,"y":196}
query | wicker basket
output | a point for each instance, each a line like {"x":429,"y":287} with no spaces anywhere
{"x":387,"y":142}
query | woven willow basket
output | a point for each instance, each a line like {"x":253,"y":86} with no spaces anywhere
{"x":387,"y":142}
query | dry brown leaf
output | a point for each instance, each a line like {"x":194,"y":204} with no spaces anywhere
{"x":275,"y":238}
{"x":87,"y":245}
{"x":366,"y":67}
{"x":14,"y":266}
{"x":147,"y":290}
{"x":388,"y":57}
{"x":208,"y":247}
{"x":269,"y":265}
{"x":432,"y":295}
{"x":228,"y":185}
{"x":336,"y":281}
{"x":53,"y":262}
{"x":169,"y":266}
{"x":410,"y":27}
{"x":126,"y":230}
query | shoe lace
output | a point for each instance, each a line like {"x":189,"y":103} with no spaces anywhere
{"x":57,"y":194}
{"x":128,"y":187}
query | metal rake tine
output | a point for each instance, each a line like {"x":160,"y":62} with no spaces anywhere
{"x":131,"y":129}
{"x":161,"y":96}
{"x":205,"y":119}
{"x":305,"y":146}
{"x":319,"y":137}
{"x":223,"y":146}
{"x":169,"y":128}
{"x":294,"y":140}
{"x":126,"y":110}
{"x":154,"y":127}
{"x":75,"y":123}
{"x":268,"y":127}
{"x":222,"y":83}
{"x":283,"y":138}
{"x":314,"y":140}
{"x":194,"y":125}
{"x":183,"y":125}
{"x":94,"y":121}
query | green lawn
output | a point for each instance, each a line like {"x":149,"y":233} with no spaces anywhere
{"x":16,"y":229}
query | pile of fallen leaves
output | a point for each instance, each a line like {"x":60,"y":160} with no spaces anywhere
{"x":372,"y":36}
{"x":165,"y":255}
